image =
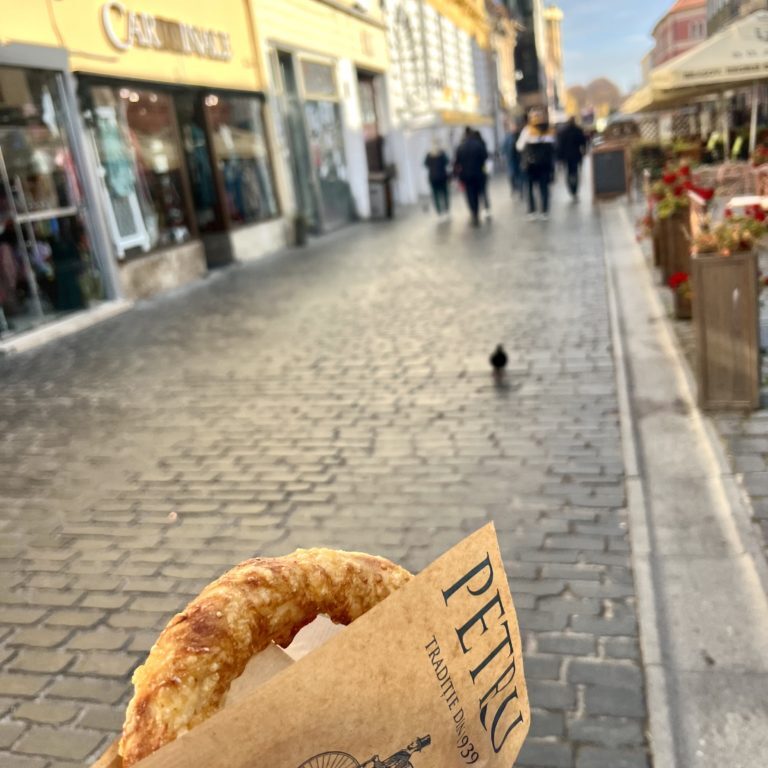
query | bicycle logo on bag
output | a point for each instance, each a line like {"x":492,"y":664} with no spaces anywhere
{"x":400,"y":759}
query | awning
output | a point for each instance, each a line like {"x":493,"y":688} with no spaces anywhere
{"x":735,"y":57}
{"x":650,"y":99}
{"x":642,"y":100}
{"x":738,"y":55}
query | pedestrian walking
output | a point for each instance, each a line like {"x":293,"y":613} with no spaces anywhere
{"x":485,"y":199}
{"x":571,"y":146}
{"x":537,"y":147}
{"x":513,"y":160}
{"x":469,"y":167}
{"x":437,"y":164}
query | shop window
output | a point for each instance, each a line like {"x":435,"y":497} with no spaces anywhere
{"x":202,"y":178}
{"x":326,"y":147}
{"x":46,"y":263}
{"x":240,"y":148}
{"x":319,"y":79}
{"x":137,"y":141}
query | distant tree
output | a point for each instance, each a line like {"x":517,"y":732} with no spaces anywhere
{"x":576,"y":100}
{"x":603,"y":94}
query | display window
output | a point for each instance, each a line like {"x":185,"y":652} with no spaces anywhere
{"x":326,"y":146}
{"x":138,"y":145}
{"x":178,"y":162}
{"x":242,"y":157}
{"x":46,"y":263}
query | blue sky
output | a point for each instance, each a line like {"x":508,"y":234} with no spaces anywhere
{"x":607,"y":37}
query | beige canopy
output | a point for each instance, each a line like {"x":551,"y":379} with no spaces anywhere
{"x":736,"y":56}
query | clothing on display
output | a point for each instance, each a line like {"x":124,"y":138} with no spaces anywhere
{"x":42,"y":241}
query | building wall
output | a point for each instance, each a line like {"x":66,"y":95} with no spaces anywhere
{"x":350,"y":38}
{"x":94,"y":31}
{"x":678,"y":32}
{"x":530,"y":51}
{"x":441,"y":78}
{"x":720,"y":13}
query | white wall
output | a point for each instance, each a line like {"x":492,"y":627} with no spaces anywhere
{"x":354,"y":142}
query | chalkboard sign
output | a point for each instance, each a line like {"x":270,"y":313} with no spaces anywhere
{"x":610,"y":175}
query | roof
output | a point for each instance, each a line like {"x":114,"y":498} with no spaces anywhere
{"x":679,"y":7}
{"x":687,"y":5}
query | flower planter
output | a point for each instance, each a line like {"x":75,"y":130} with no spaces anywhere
{"x":662,"y":242}
{"x":678,"y":246}
{"x":656,"y":241}
{"x":725,"y":311}
{"x":683,"y":305}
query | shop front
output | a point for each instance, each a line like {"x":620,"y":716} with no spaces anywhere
{"x":171,"y":97}
{"x":151,"y":136}
{"x":326,"y":62}
{"x":53,"y":260}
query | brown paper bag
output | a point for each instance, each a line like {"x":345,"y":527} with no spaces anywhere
{"x":430,"y":678}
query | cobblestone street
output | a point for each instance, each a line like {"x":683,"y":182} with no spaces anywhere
{"x":338,"y":395}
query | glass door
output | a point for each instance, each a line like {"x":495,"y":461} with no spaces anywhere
{"x":374,"y":144}
{"x":46,"y":264}
{"x":296,"y":135}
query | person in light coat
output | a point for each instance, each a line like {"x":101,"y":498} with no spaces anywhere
{"x":537,"y":148}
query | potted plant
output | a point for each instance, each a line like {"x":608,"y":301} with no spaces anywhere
{"x":760,"y":155}
{"x":680,"y":283}
{"x":672,"y":211}
{"x":725,"y":312}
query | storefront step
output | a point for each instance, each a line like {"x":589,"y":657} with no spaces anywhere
{"x":73,"y":323}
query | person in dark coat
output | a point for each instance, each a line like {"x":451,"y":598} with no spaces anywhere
{"x":571,"y":146}
{"x":437,"y":163}
{"x":469,"y":166}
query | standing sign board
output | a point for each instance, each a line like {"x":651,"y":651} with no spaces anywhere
{"x":610,"y":171}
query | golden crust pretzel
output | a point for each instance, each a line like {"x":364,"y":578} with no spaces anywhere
{"x":205,"y":647}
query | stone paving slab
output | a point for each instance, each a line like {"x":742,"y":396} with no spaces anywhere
{"x":340,"y":396}
{"x":744,"y":435}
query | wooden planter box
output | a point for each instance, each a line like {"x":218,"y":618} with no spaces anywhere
{"x":656,"y":240}
{"x":678,"y":247}
{"x":683,"y":306}
{"x":725,"y":311}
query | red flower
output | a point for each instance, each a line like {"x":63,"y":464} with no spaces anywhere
{"x":669,"y":178}
{"x":678,"y":279}
{"x":677,"y":191}
{"x":759,"y":214}
{"x":705,"y":193}
{"x":728,"y":213}
{"x":684,"y":170}
{"x":688,"y":184}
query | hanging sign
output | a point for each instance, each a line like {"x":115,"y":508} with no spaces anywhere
{"x":127,"y":29}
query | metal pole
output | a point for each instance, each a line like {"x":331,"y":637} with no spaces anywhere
{"x":753,"y":120}
{"x":87,"y":166}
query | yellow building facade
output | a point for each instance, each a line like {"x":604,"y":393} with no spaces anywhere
{"x":326,"y":63}
{"x":146,"y":122}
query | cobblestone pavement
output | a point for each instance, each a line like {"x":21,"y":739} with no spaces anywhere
{"x":338,"y":396}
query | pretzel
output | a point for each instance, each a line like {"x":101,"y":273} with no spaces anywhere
{"x":261,"y":601}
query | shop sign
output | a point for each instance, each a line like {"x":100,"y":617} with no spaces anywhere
{"x":129,"y":29}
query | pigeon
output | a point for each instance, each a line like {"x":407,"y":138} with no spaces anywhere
{"x":499,"y":359}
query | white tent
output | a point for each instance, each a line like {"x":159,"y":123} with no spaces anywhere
{"x":735,"y":57}
{"x":738,"y":55}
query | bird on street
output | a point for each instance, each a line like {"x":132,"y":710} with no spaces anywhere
{"x":499,"y":360}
